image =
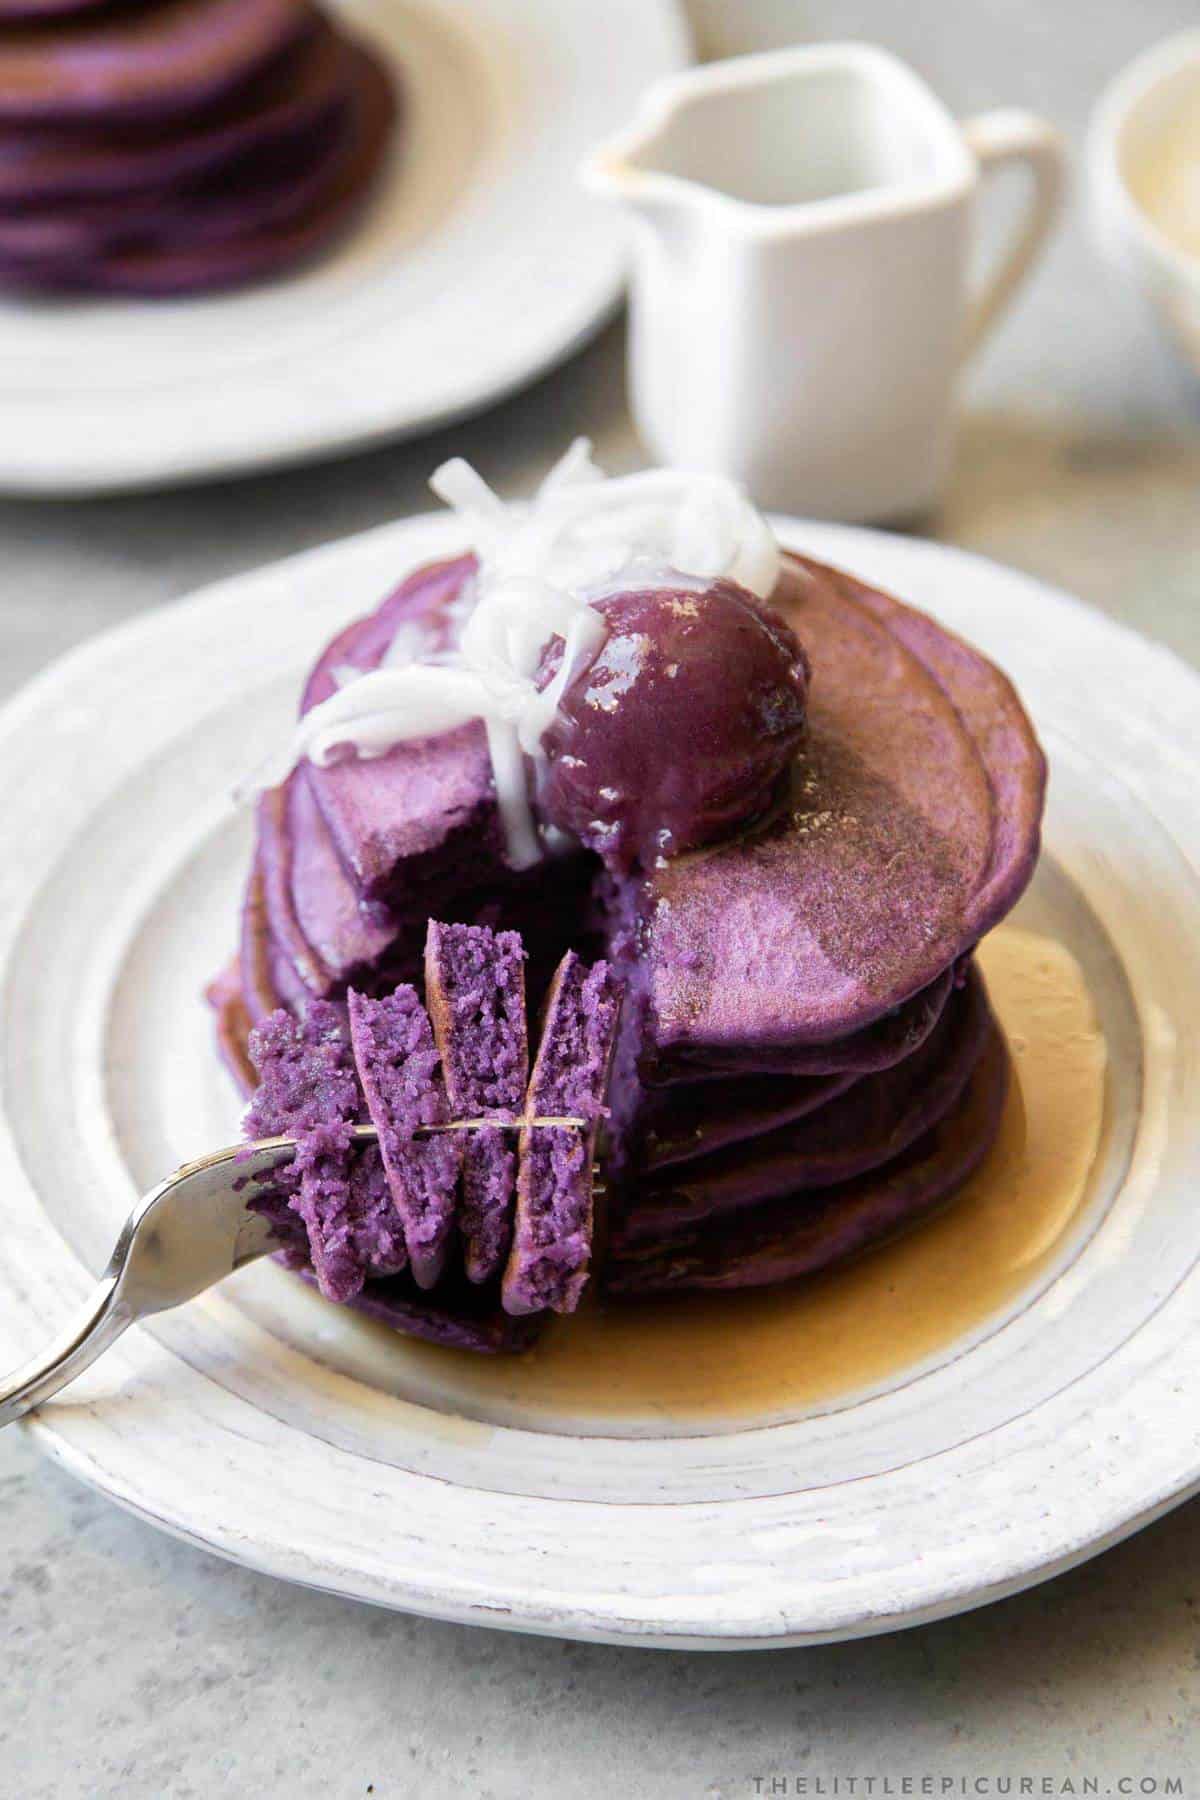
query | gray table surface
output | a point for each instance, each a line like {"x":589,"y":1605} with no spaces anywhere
{"x":131,"y":1664}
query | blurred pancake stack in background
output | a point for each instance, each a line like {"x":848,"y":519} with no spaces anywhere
{"x":175,"y":146}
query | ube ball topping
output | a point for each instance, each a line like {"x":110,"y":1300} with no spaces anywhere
{"x":679,"y":727}
{"x":644,"y":593}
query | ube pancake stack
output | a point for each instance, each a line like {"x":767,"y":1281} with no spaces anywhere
{"x":174,"y":146}
{"x":783,"y":808}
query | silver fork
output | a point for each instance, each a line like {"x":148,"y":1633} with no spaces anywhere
{"x":184,"y":1236}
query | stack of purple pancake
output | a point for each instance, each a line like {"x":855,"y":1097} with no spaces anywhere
{"x":175,"y":146}
{"x":806,"y":1059}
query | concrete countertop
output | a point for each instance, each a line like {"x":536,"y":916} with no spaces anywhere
{"x":133,"y":1665}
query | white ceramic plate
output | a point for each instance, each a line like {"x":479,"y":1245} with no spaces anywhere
{"x":288,"y":1435}
{"x":478,"y":264}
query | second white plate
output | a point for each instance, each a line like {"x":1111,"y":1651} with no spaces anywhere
{"x":478,"y":264}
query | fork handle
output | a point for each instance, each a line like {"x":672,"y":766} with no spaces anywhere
{"x":94,"y":1327}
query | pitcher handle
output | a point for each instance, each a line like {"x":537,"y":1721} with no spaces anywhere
{"x":998,"y":140}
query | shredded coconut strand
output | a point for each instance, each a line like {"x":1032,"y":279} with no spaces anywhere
{"x":541,"y":563}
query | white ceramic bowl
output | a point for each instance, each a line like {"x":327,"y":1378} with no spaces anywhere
{"x":1144,"y":173}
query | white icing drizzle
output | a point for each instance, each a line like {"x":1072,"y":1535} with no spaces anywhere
{"x":541,"y":563}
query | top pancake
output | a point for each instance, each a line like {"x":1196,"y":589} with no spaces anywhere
{"x":142,"y":63}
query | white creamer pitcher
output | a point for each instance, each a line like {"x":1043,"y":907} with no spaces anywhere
{"x":800,"y":296}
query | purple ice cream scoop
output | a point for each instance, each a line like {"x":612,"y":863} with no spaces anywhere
{"x":679,"y":728}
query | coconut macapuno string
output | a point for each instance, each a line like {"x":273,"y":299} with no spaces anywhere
{"x":541,"y":564}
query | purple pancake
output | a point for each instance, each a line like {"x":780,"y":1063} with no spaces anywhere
{"x":267,"y":978}
{"x":344,"y":934}
{"x":296,"y":95}
{"x":308,"y":1089}
{"x":868,"y":1126}
{"x":552,"y":1233}
{"x":422,"y":819}
{"x":475,"y":992}
{"x":992,"y":712}
{"x":233,"y":1027}
{"x":416,"y":617}
{"x":265,"y":187}
{"x":306,"y":890}
{"x":879,"y":1045}
{"x":398,"y":1067}
{"x":790,"y":1238}
{"x":145,"y":61}
{"x":273,"y":870}
{"x":685,"y":1123}
{"x":194,"y":245}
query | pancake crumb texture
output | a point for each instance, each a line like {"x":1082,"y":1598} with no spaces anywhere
{"x":373,"y":1222}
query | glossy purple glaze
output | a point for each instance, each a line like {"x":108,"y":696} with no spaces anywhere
{"x":679,"y":728}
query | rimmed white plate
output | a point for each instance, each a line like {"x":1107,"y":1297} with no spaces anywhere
{"x":478,"y":264}
{"x":274,"y":1429}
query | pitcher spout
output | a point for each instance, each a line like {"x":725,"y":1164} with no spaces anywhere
{"x":620,"y":171}
{"x":637,"y":168}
